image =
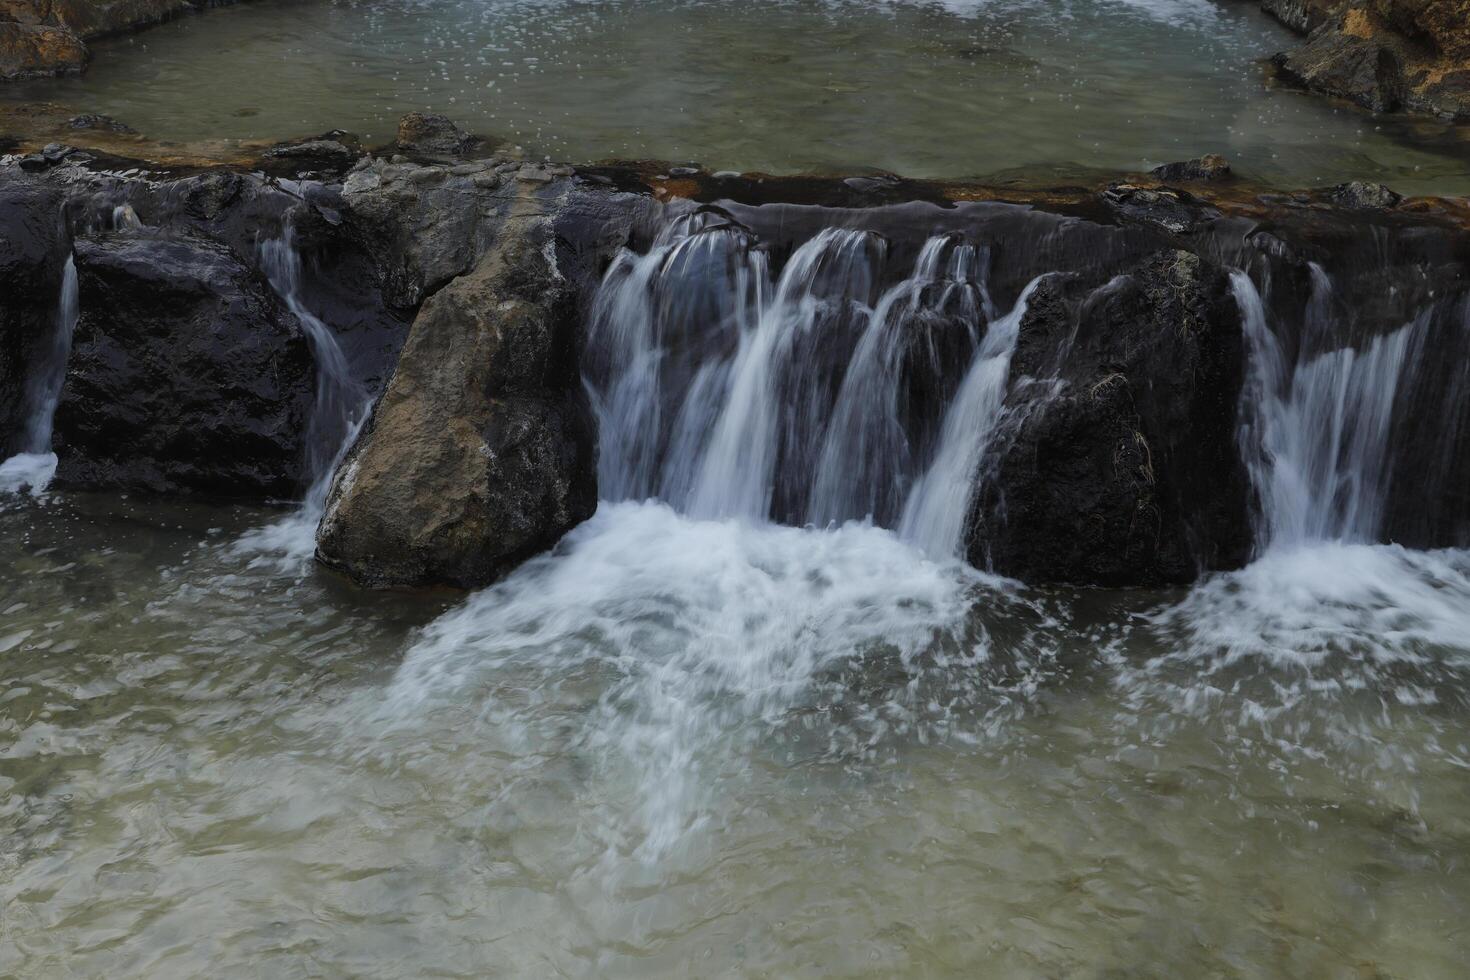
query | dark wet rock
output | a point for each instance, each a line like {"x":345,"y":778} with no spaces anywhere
{"x":186,"y":375}
{"x":1169,"y":210}
{"x":1118,"y":465}
{"x":96,"y":120}
{"x":432,"y":136}
{"x":1362,"y":194}
{"x":1389,"y":55}
{"x":481,"y":452}
{"x":34,"y":244}
{"x":1211,"y":166}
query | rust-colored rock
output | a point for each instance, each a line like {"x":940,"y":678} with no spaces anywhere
{"x":28,"y":50}
{"x":1390,"y":55}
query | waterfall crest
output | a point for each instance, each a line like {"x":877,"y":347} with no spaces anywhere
{"x":1316,"y":429}
{"x":813,"y":399}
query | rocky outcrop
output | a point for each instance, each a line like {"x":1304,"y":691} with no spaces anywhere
{"x":433,"y":137}
{"x":481,"y":452}
{"x":1387,"y":55}
{"x":47,"y":37}
{"x":186,"y":374}
{"x":34,"y":244}
{"x":1119,"y":464}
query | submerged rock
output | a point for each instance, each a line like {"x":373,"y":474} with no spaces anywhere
{"x":481,"y":452}
{"x":34,"y":244}
{"x":1211,"y":166}
{"x":186,"y":374}
{"x":1118,"y":465}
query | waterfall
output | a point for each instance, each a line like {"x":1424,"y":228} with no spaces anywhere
{"x":866,"y":460}
{"x":32,"y":468}
{"x":1316,"y":429}
{"x":815,"y":400}
{"x":938,"y":510}
{"x":342,"y":405}
{"x":736,"y":476}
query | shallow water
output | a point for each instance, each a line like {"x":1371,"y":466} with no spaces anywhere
{"x":958,"y":89}
{"x":697,"y":748}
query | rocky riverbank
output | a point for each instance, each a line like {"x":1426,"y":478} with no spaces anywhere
{"x":1385,"y":55}
{"x":49,"y":37}
{"x":1118,"y":460}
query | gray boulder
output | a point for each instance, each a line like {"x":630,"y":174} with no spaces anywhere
{"x":481,"y":452}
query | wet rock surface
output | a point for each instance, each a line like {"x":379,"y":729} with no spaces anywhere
{"x":34,"y":244}
{"x":481,"y":452}
{"x":47,"y":37}
{"x":1118,"y":465}
{"x":187,"y":374}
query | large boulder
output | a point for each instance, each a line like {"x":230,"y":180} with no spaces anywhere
{"x":481,"y":452}
{"x":28,"y":50}
{"x":187,"y":374}
{"x":1118,"y":464}
{"x":34,"y":244}
{"x":1389,"y":55}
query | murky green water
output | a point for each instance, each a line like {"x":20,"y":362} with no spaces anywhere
{"x":959,"y":89}
{"x":702,"y":749}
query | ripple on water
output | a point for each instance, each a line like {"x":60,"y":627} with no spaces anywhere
{"x":679,"y":747}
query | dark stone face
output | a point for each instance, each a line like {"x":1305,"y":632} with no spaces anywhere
{"x":186,"y":374}
{"x":34,"y":244}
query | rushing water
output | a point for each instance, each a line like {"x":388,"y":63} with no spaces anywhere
{"x":684,"y":747}
{"x":957,"y":89}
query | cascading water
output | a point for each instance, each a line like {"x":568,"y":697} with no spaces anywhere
{"x":342,"y":406}
{"x":727,"y":397}
{"x":32,"y":468}
{"x":939,"y":507}
{"x":1316,"y":431}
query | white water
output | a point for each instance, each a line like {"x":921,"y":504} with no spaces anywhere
{"x":1316,"y":433}
{"x":32,"y":468}
{"x":727,"y":397}
{"x":341,"y":409}
{"x":938,"y":510}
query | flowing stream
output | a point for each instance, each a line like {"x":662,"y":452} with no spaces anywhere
{"x":743,"y":721}
{"x":31,"y":469}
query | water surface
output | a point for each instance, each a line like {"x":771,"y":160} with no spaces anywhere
{"x":958,"y":89}
{"x":696,"y":748}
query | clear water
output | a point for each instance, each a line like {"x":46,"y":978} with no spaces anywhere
{"x":958,"y":89}
{"x":699,"y":748}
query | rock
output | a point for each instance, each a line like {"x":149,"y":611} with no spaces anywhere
{"x":28,"y":51}
{"x":481,"y":452}
{"x":1169,"y":210}
{"x":94,"y":120}
{"x":433,"y":136}
{"x":98,"y":18}
{"x":1389,"y":55}
{"x":1362,"y":194}
{"x":34,"y":244}
{"x":1208,"y":167}
{"x":1119,"y":466}
{"x":186,"y":375}
{"x":1302,"y":16}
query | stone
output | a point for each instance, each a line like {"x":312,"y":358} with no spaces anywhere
{"x":1120,"y":465}
{"x":1363,"y":194}
{"x":34,"y":245}
{"x":481,"y":452}
{"x":430,"y":135}
{"x":187,"y":374}
{"x":95,"y":120}
{"x":1388,"y":56}
{"x":28,"y":51}
{"x":1209,"y":167}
